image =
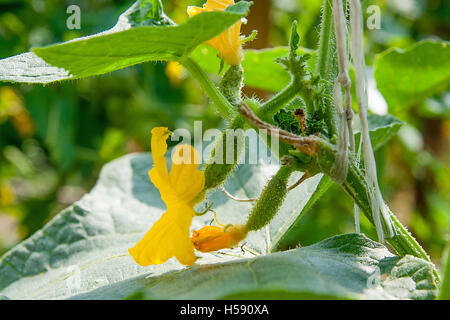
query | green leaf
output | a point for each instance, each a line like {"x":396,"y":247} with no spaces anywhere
{"x":82,"y":252}
{"x":89,"y":240}
{"x":150,"y":13}
{"x":407,"y":77}
{"x":382,"y":129}
{"x":117,"y":48}
{"x":295,"y":38}
{"x":241,"y":6}
{"x":347,"y":266}
{"x":287,"y":121}
{"x":28,"y":67}
{"x":260,"y":69}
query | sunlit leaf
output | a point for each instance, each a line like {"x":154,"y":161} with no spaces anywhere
{"x":117,"y":48}
{"x":343,"y":267}
{"x":407,"y":77}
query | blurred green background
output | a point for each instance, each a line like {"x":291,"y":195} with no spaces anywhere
{"x":54,"y":139}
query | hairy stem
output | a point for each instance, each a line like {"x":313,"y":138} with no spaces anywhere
{"x":444,"y":293}
{"x":323,"y":56}
{"x":355,"y":185}
{"x":326,"y":65}
{"x":403,"y":242}
{"x":277,"y":102}
{"x":224,"y":107}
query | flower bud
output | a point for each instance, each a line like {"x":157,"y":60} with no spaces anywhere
{"x":212,"y":238}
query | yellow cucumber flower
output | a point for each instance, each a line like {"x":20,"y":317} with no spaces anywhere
{"x":228,"y":42}
{"x":169,"y":236}
{"x":212,"y":238}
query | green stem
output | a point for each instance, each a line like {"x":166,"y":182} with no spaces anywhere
{"x":323,"y":56}
{"x":217,"y":171}
{"x":309,"y":101}
{"x":444,"y":293}
{"x":223,"y":105}
{"x":326,"y":65}
{"x":277,"y":102}
{"x":402,"y":242}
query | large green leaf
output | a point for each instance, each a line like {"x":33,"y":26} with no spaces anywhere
{"x":345,"y":267}
{"x":93,"y":235}
{"x":82,"y":252}
{"x":382,"y":129}
{"x":260,"y":69}
{"x":118,"y":48}
{"x":407,"y":77}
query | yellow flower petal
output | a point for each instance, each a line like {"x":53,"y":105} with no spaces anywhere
{"x":187,"y":180}
{"x":227,"y":43}
{"x":169,"y":236}
{"x":159,"y":148}
{"x":218,"y":4}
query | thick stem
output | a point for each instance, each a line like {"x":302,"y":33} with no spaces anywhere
{"x":309,"y":101}
{"x":326,"y":65}
{"x":403,"y":242}
{"x":355,"y":185}
{"x":221,"y":164}
{"x":224,"y":107}
{"x":444,"y":293}
{"x":324,"y":56}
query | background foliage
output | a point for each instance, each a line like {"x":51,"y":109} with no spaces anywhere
{"x":55,"y":139}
